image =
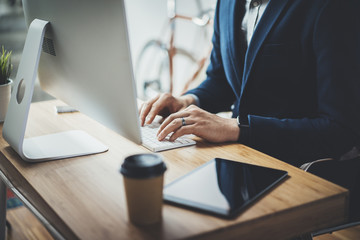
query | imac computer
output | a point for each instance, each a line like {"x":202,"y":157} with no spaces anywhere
{"x":80,"y":52}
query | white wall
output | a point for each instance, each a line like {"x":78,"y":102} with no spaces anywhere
{"x":145,"y":18}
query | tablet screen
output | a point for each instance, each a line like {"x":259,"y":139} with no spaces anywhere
{"x":222,"y":187}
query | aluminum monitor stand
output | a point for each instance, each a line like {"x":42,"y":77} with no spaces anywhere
{"x":47,"y":147}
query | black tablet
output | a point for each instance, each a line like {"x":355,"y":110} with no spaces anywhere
{"x":222,"y":187}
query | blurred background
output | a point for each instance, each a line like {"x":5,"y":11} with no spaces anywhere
{"x":147,"y":21}
{"x":12,"y":36}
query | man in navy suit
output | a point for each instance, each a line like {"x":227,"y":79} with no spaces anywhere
{"x":290,"y":71}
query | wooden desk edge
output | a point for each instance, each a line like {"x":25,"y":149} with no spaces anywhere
{"x":11,"y":173}
{"x":284,"y":218}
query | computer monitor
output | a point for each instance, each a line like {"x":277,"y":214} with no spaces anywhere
{"x":85,"y":62}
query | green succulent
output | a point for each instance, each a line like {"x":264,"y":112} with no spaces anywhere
{"x":5,"y":65}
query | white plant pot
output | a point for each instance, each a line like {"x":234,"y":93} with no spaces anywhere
{"x":5,"y":93}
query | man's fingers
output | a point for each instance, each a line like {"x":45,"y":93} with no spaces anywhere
{"x":175,"y":125}
{"x":168,"y":128}
{"x":155,"y":109}
{"x":171,"y":118}
{"x":184,"y":130}
{"x":145,"y":109}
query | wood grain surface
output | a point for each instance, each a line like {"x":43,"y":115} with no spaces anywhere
{"x":83,"y":197}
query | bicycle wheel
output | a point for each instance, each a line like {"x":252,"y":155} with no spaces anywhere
{"x":152,"y":70}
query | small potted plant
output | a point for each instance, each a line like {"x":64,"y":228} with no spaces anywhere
{"x":5,"y":81}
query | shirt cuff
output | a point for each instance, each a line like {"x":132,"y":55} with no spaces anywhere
{"x":196,"y":99}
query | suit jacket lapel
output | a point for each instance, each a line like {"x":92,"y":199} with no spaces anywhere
{"x":267,"y":21}
{"x":236,"y":51}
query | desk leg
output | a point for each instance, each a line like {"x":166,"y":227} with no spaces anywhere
{"x":2,"y":209}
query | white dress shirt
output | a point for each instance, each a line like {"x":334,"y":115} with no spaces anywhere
{"x":254,"y":11}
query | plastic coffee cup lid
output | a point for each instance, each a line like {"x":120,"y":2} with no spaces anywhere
{"x":145,"y":165}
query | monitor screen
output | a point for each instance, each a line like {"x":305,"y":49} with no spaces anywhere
{"x":86,"y":60}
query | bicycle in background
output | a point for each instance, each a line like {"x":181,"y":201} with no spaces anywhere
{"x":155,"y":69}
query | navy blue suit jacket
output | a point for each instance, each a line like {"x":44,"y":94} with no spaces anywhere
{"x":297,"y":84}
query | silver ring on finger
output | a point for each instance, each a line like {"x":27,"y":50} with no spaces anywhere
{"x":183,"y":122}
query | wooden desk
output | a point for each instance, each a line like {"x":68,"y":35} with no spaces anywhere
{"x":84,"y":197}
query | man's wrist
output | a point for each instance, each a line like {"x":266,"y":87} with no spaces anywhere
{"x":244,"y":135}
{"x":191,"y":99}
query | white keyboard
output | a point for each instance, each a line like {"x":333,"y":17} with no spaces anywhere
{"x":149,"y":139}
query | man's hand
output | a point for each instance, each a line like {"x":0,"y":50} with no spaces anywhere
{"x":194,"y":120}
{"x":163,"y":105}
